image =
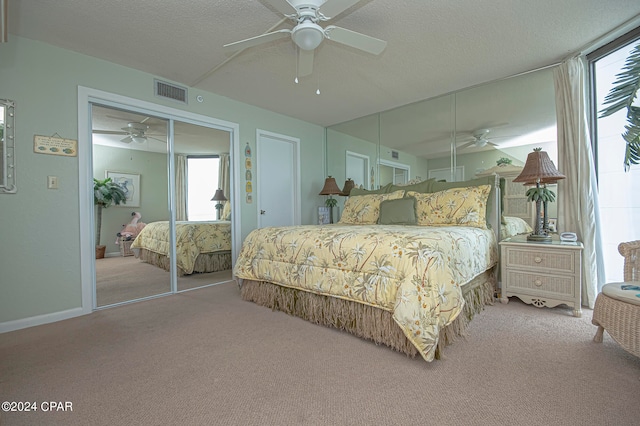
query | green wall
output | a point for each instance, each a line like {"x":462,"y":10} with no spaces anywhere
{"x":40,"y":255}
{"x":154,"y":193}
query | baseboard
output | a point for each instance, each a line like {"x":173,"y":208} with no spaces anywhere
{"x":41,"y":319}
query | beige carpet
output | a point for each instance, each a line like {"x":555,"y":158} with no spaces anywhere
{"x":205,"y":357}
{"x":120,"y":279}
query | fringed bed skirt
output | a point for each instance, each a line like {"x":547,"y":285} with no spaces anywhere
{"x":205,"y":262}
{"x":367,"y":321}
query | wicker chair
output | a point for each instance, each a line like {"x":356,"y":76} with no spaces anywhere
{"x":617,"y":310}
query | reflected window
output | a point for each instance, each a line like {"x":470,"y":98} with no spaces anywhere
{"x":202,"y":182}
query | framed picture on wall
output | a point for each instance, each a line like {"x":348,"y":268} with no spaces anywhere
{"x":130,"y":184}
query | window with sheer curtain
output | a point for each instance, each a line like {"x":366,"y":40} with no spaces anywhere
{"x":618,"y":190}
{"x":202,"y":182}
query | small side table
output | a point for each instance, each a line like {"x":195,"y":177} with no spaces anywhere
{"x":542,"y":274}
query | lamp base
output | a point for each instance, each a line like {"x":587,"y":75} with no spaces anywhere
{"x":539,"y":238}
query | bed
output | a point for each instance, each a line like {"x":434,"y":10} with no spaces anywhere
{"x":411,"y":285}
{"x":200,"y":246}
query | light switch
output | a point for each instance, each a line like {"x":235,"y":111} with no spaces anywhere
{"x":52,"y":182}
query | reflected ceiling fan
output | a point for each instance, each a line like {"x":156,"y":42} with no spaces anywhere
{"x":308,"y":34}
{"x":135,"y":132}
{"x":480,"y":139}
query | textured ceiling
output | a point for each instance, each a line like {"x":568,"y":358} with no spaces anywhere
{"x":434,"y":47}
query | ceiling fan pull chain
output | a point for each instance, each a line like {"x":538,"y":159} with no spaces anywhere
{"x":297,"y":60}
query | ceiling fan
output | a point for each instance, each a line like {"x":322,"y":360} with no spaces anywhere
{"x":479,"y":139}
{"x":135,"y":132}
{"x":308,"y":34}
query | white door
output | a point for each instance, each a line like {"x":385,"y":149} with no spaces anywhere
{"x":358,"y":169}
{"x":278,"y":174}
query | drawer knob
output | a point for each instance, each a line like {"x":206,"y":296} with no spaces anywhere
{"x":537,"y":259}
{"x":538,"y":282}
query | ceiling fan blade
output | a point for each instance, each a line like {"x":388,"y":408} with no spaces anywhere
{"x":160,"y":140}
{"x":332,"y":8}
{"x":466,"y":145}
{"x":283,"y":6}
{"x":357,"y":40}
{"x":305,"y":62}
{"x":254,"y":41}
{"x":108,"y":132}
{"x":128,"y":139}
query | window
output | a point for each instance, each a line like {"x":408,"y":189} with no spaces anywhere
{"x":202,"y":182}
{"x":617,"y":190}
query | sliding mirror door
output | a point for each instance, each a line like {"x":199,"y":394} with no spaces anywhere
{"x":130,"y":149}
{"x":203,"y":205}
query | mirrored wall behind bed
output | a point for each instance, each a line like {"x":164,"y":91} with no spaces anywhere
{"x":477,"y":131}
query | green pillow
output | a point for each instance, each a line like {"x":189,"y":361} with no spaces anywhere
{"x":424,"y":186}
{"x":398,"y":212}
{"x":357,"y":191}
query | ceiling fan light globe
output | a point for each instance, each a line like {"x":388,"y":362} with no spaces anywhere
{"x":138,"y":139}
{"x":307,"y":35}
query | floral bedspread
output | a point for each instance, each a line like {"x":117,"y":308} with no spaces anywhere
{"x":415,"y":272}
{"x":192,"y":239}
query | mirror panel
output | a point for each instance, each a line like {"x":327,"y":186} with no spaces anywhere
{"x":194,"y":143}
{"x":355,"y":142}
{"x":118,"y":153}
{"x":7,"y":147}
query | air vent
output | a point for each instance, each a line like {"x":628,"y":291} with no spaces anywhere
{"x":171,"y":91}
{"x":395,"y":155}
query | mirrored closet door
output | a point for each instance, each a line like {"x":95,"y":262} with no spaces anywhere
{"x":139,"y":235}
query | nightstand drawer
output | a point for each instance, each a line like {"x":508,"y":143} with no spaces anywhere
{"x":550,"y":285}
{"x":562,"y":261}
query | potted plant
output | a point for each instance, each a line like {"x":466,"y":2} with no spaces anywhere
{"x":105,"y":193}
{"x":623,"y":95}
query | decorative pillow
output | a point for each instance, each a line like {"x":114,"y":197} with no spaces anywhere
{"x":456,"y":206}
{"x":401,"y":211}
{"x":365,"y":209}
{"x":485,"y":180}
{"x":358,"y":191}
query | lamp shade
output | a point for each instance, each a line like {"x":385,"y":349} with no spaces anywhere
{"x":219,"y":195}
{"x":348,"y":186}
{"x":539,"y":169}
{"x":330,"y":187}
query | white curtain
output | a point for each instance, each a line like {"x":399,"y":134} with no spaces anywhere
{"x":224,"y":182}
{"x":181,"y":187}
{"x":578,"y":195}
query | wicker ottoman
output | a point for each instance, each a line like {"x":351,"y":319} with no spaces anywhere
{"x":618,"y":311}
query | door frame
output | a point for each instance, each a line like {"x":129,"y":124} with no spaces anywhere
{"x":88,"y":96}
{"x":295,"y":142}
{"x":367,"y":167}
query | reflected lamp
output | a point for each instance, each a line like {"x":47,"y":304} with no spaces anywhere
{"x":330,"y":188}
{"x":220,"y":198}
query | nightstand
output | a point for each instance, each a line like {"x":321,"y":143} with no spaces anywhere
{"x":541,"y":274}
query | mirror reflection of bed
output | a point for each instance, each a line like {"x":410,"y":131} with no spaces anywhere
{"x":138,"y":266}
